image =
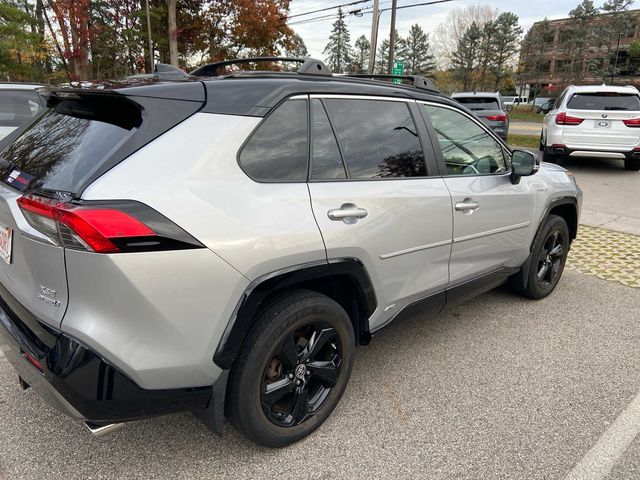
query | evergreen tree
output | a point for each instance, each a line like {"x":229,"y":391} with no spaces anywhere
{"x":382,"y":56}
{"x":338,"y":50}
{"x":506,"y":42}
{"x":362,"y":54}
{"x":467,"y":54}
{"x":416,"y":53}
{"x":487,"y":51}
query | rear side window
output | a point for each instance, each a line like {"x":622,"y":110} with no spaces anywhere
{"x":278,"y":150}
{"x":378,"y":138}
{"x":17,"y":107}
{"x":604,"y":101}
{"x":70,"y":141}
{"x":479,"y":103}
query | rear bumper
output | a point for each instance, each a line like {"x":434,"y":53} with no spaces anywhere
{"x":576,"y":152}
{"x":77,"y":381}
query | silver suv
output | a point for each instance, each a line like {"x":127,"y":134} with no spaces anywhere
{"x":489,"y":108}
{"x":222,"y":244}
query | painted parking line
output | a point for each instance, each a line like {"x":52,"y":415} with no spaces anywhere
{"x":600,"y":459}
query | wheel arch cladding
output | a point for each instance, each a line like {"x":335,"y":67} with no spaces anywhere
{"x":344,"y":280}
{"x":569,"y":212}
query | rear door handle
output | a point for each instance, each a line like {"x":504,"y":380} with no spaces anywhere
{"x":467,"y":206}
{"x":347,"y":213}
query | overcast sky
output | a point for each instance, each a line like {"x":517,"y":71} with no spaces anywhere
{"x":315,"y":34}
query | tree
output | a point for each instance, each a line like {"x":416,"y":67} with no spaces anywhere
{"x":173,"y":32}
{"x":297,"y":48}
{"x":618,"y":24}
{"x":382,"y":55}
{"x":338,"y":50}
{"x":487,"y":52}
{"x":72,"y":17}
{"x":533,"y":54}
{"x":362,"y":54}
{"x":576,"y":38}
{"x":465,"y":58}
{"x":506,"y":39}
{"x":447,"y":35}
{"x":415,"y":52}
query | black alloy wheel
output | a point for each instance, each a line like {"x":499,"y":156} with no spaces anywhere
{"x":551,"y":258}
{"x":292,"y":370}
{"x":301,"y":374}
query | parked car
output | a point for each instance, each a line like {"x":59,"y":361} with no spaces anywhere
{"x":544,"y":105}
{"x":596,"y":122}
{"x":511,"y":101}
{"x":19,"y":104}
{"x":488,"y":107}
{"x":186,"y":245}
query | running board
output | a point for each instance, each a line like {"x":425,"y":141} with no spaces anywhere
{"x":102,"y":430}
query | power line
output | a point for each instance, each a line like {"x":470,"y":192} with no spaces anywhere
{"x":327,"y":8}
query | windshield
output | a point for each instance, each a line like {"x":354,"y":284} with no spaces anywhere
{"x":604,"y":101}
{"x":18,"y":107}
{"x":479,"y":103}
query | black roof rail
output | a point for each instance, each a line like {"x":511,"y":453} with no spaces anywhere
{"x":310,"y":66}
{"x":417,"y":81}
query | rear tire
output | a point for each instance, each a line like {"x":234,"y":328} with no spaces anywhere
{"x":547,"y":259}
{"x":292,"y":370}
{"x":632,"y":164}
{"x":549,"y":157}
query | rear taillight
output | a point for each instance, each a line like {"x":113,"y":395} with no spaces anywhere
{"x":564,"y":119}
{"x":104,"y":227}
{"x":632,"y":122}
{"x":497,"y":118}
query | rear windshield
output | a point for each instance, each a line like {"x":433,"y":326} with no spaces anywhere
{"x":479,"y":103}
{"x":69,"y":142}
{"x":18,"y":107}
{"x":604,"y":101}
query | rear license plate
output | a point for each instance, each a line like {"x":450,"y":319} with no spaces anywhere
{"x":6,"y":237}
{"x":603,"y":124}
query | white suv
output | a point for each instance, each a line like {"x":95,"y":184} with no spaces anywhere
{"x":594,"y":121}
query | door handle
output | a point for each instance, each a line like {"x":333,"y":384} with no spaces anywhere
{"x":347,"y":213}
{"x":467,"y":206}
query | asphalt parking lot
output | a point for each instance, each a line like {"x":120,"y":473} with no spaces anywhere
{"x":497,"y":388}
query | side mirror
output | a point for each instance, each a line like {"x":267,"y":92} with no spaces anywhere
{"x":523,"y":164}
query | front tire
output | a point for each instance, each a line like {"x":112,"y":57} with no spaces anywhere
{"x":292,"y":370}
{"x":632,"y":164}
{"x":548,"y":258}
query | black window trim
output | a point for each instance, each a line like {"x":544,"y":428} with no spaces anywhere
{"x":335,"y":136}
{"x":423,"y":138}
{"x":506,"y":151}
{"x":297,"y":96}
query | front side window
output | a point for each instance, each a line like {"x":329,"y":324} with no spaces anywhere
{"x":18,"y":107}
{"x":378,"y":138}
{"x":278,"y":150}
{"x":466,"y":147}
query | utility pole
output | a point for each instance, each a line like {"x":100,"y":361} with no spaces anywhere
{"x":149,"y":34}
{"x":374,"y":36}
{"x":392,"y":35}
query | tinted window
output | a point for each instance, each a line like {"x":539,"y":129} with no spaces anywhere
{"x":467,"y":148}
{"x":18,"y":107}
{"x":70,"y":141}
{"x":278,"y":149}
{"x":378,"y":138}
{"x":326,"y":161}
{"x":479,"y":103}
{"x":604,"y":101}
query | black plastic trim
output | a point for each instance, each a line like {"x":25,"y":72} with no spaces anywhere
{"x":92,"y":387}
{"x":266,"y":285}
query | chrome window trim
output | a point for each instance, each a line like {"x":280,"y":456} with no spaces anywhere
{"x":360,"y":97}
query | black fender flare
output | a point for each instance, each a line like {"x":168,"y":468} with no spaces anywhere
{"x":258,"y":290}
